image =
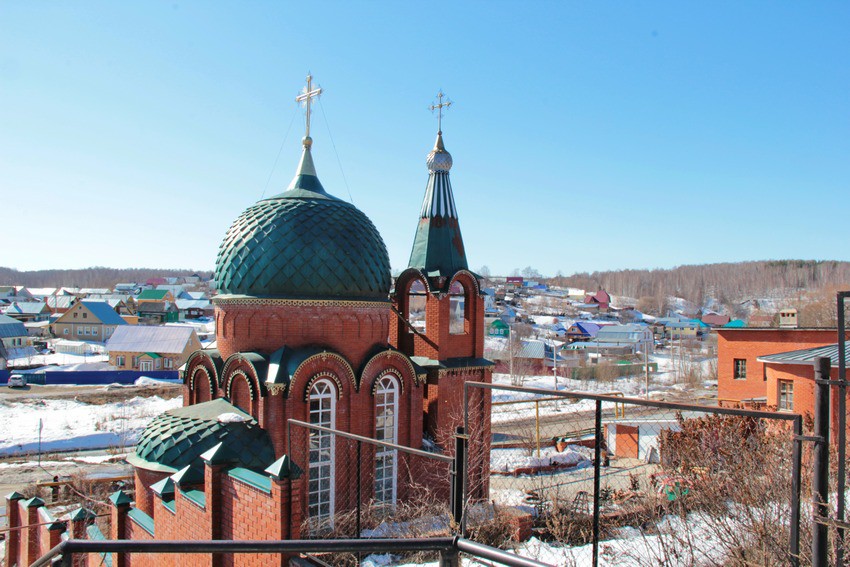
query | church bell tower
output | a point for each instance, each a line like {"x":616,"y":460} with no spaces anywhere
{"x":439,"y":306}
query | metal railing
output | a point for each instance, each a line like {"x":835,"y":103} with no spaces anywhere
{"x":656,"y":415}
{"x":449,"y":549}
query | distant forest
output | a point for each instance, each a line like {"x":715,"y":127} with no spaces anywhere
{"x":98,"y":277}
{"x":728,"y":284}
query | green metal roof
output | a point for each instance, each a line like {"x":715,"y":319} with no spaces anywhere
{"x":154,"y":294}
{"x":438,"y":245}
{"x":807,"y":356}
{"x":304,"y":243}
{"x":178,"y":437}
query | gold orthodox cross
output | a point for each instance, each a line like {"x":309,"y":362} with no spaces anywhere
{"x":306,"y":96}
{"x":440,"y":106}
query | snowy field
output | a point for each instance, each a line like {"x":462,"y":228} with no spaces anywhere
{"x":67,"y":424}
{"x":98,"y":360}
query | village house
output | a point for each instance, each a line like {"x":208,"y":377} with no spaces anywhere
{"x":601,"y":298}
{"x":638,"y":338}
{"x":155,"y":296}
{"x":88,"y":321}
{"x":582,"y":331}
{"x":14,"y":335}
{"x":28,"y":311}
{"x":715,"y":320}
{"x":194,"y":308}
{"x":60,"y":303}
{"x":498,"y":328}
{"x":741,"y":354}
{"x":156,"y":307}
{"x":151,"y":348}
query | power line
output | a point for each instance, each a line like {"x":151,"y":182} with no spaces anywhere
{"x":333,"y":144}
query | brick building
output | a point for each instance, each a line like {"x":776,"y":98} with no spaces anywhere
{"x":774,"y":368}
{"x":309,"y":327}
{"x":741,"y":375}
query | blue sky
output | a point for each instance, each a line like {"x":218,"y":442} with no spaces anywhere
{"x":585,"y":136}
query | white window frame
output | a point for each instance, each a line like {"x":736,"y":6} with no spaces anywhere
{"x":386,"y":429}
{"x":145,"y":365}
{"x":120,"y":360}
{"x":785,"y":395}
{"x":323,"y":392}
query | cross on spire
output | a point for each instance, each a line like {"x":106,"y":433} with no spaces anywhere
{"x":306,"y":96}
{"x":440,"y":106}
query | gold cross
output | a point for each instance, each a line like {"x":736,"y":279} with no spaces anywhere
{"x":306,"y":96}
{"x":440,"y":106}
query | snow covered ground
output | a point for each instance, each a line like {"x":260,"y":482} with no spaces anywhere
{"x":508,"y":460}
{"x":62,"y":361}
{"x":628,"y":548}
{"x":66,"y":424}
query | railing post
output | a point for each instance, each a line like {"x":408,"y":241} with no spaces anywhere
{"x":597,"y":474}
{"x":359,"y":490}
{"x":449,"y":557}
{"x":841,"y":434}
{"x":820,"y":480}
{"x":457,"y":479}
{"x":537,"y":425}
{"x":796,"y":477}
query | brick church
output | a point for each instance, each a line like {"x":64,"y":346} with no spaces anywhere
{"x":310,"y":326}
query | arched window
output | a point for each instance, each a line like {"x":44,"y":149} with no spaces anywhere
{"x":386,"y":429}
{"x":416,"y":299}
{"x":321,"y":474}
{"x":458,"y":309}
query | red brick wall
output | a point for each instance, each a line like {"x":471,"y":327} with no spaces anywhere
{"x":249,"y":514}
{"x":347,"y":328}
{"x":749,"y":344}
{"x":802,"y":375}
{"x":143,"y":479}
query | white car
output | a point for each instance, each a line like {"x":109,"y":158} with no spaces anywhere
{"x":17,"y":381}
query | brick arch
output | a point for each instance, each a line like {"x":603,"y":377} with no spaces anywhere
{"x":323,"y":376}
{"x":400,"y":328}
{"x":406,"y":279}
{"x":388,"y":360}
{"x":232,"y":366}
{"x":468,"y":280}
{"x":323,"y":362}
{"x":197,"y":360}
{"x":383,"y":374}
{"x":240,"y":391}
{"x":200,"y":382}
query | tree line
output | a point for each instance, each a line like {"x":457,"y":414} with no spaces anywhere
{"x":95,"y":277}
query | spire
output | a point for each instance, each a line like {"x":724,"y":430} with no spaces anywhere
{"x":305,"y":176}
{"x":438,"y":245}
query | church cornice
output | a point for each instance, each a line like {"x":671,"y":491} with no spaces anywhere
{"x":284,"y":302}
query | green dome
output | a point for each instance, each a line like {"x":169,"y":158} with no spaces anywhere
{"x":178,"y":437}
{"x":304,"y":243}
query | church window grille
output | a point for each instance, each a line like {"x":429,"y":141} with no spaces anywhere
{"x":386,"y":429}
{"x":321,"y":475}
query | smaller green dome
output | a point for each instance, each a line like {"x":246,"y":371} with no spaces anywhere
{"x":178,"y":438}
